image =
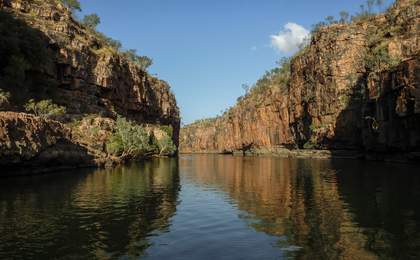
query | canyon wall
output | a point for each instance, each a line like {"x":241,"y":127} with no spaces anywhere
{"x":355,"y":87}
{"x":48,"y":54}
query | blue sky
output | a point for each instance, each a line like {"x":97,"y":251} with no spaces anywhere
{"x":206,"y":49}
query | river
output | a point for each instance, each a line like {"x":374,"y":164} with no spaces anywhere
{"x":215,"y":207}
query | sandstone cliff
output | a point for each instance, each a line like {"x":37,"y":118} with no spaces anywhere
{"x":57,"y":58}
{"x":355,"y":87}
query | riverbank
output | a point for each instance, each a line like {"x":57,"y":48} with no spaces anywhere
{"x":33,"y":145}
{"x":412,"y":157}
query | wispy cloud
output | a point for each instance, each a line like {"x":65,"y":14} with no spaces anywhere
{"x":253,"y":48}
{"x":290,"y":38}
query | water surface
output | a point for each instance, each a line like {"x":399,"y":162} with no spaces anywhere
{"x":215,"y":207}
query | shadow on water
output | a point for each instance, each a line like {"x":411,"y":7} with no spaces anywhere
{"x":88,"y":214}
{"x":321,"y":209}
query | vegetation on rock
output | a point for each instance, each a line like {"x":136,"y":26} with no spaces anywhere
{"x":132,"y":140}
{"x":44,"y":108}
{"x":91,"y":21}
{"x":73,"y":5}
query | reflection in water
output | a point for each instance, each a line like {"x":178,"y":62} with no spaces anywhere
{"x":325,"y":209}
{"x":229,"y":207}
{"x":107,"y":213}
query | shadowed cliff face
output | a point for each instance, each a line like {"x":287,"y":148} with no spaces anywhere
{"x":84,"y":75}
{"x":46,"y":55}
{"x":355,"y":87}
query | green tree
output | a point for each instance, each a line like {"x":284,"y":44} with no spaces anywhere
{"x":166,"y":146}
{"x":344,"y":16}
{"x":330,"y":19}
{"x":4,"y":99}
{"x":91,"y":21}
{"x":246,"y":88}
{"x":44,"y":108}
{"x":370,"y":4}
{"x":144,"y":62}
{"x":73,"y":5}
{"x":130,"y":139}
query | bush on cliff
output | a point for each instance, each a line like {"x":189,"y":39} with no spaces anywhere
{"x":44,"y":108}
{"x":166,"y":146}
{"x":73,"y":5}
{"x":130,"y":139}
{"x":143,"y":62}
{"x":4,"y":99}
{"x":379,"y":59}
{"x":91,"y":21}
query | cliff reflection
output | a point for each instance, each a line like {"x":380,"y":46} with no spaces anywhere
{"x":99,"y":214}
{"x":302,"y":202}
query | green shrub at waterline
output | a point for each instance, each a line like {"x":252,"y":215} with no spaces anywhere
{"x":166,"y":146}
{"x":130,"y":139}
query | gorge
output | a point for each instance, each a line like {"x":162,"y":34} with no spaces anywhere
{"x":353,"y":91}
{"x":94,"y":163}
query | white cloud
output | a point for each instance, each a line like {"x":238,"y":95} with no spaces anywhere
{"x":290,"y":38}
{"x":253,"y":48}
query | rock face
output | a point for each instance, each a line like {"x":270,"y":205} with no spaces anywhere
{"x":87,"y":76}
{"x":31,"y":142}
{"x":57,"y":58}
{"x":355,"y":87}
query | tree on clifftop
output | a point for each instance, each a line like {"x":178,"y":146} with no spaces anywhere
{"x":91,"y":21}
{"x":74,"y":5}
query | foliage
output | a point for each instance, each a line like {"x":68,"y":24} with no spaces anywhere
{"x":278,"y":77}
{"x":143,"y":62}
{"x":379,"y":59}
{"x":316,"y":27}
{"x":4,"y":98}
{"x":44,"y":108}
{"x":130,"y":139}
{"x":367,"y":11}
{"x":91,"y":21}
{"x":309,"y":145}
{"x":166,"y":146}
{"x":73,"y":5}
{"x":330,"y":19}
{"x":344,"y":17}
{"x":168,"y":129}
{"x":108,"y":41}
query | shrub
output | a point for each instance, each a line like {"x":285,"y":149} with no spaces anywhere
{"x":129,"y":139}
{"x":379,"y":59}
{"x":91,"y":21}
{"x":309,"y":145}
{"x":166,"y":146}
{"x":44,"y":108}
{"x":168,"y":129}
{"x":143,"y":62}
{"x":73,"y":5}
{"x":4,"y":96}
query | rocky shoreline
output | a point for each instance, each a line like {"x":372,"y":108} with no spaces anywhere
{"x":410,"y":157}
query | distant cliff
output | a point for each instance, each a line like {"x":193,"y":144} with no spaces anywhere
{"x":356,"y":86}
{"x":47,"y":54}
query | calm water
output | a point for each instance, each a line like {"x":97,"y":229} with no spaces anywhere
{"x":215,"y":207}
